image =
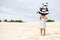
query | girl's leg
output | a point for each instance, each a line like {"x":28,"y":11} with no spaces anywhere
{"x":41,"y":31}
{"x":44,"y":31}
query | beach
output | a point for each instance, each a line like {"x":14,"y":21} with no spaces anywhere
{"x":28,"y":31}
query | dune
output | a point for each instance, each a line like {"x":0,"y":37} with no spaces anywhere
{"x":29,"y":31}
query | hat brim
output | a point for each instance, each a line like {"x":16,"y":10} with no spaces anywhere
{"x":43,"y":13}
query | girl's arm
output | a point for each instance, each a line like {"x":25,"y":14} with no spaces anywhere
{"x":46,"y":18}
{"x":40,"y":17}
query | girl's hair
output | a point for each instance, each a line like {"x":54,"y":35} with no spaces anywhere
{"x":43,"y":14}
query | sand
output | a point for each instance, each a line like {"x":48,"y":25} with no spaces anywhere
{"x":29,"y":31}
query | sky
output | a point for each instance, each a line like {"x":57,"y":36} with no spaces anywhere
{"x":26,"y":10}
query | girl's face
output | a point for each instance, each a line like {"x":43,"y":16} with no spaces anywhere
{"x":42,"y":16}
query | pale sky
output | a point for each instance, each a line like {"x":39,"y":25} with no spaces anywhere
{"x":26,"y":9}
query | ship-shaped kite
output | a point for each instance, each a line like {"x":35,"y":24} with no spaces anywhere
{"x":44,"y":9}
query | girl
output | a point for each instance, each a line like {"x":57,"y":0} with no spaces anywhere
{"x":43,"y":24}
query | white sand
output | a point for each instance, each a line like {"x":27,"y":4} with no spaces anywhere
{"x":28,"y":31}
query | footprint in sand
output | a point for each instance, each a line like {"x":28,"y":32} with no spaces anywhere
{"x":19,"y":36}
{"x":56,"y":33}
{"x":48,"y":34}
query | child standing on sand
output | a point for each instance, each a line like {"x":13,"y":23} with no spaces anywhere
{"x":43,"y":18}
{"x":43,"y":12}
